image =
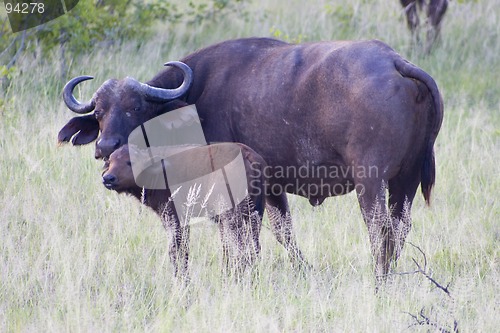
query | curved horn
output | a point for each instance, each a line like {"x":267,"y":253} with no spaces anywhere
{"x":71,"y":102}
{"x":161,"y":94}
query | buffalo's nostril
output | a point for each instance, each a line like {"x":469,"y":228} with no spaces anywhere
{"x":108,"y":179}
{"x":116,"y":144}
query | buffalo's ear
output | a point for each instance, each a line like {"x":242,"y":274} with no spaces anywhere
{"x":80,"y":130}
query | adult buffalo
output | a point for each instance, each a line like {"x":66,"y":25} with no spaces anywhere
{"x":328,"y":117}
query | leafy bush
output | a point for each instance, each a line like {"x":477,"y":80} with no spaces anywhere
{"x":94,"y":22}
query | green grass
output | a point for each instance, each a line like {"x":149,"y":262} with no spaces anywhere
{"x":76,"y":257}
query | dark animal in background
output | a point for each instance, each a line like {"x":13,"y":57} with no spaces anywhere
{"x":239,"y":227}
{"x":344,"y":107}
{"x":434,"y":11}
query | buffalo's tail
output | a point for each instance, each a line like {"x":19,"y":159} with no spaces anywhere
{"x":428,"y":171}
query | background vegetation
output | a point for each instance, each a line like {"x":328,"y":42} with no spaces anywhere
{"x":76,"y":257}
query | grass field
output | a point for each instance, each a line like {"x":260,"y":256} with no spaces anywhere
{"x":76,"y":257}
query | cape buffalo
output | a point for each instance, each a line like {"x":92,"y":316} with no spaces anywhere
{"x":239,"y":227}
{"x":434,"y":10}
{"x":328,"y":118}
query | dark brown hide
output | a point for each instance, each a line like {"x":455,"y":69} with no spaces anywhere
{"x":239,"y":228}
{"x":328,"y":118}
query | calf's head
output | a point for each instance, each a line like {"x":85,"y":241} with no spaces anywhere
{"x":131,"y":169}
{"x":117,"y":174}
{"x":118,"y":107}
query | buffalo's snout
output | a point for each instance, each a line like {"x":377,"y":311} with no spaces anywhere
{"x":104,"y":147}
{"x":109,"y":180}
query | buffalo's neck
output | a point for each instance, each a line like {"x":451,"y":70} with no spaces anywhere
{"x":154,"y":199}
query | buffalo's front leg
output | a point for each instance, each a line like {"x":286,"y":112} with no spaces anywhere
{"x":179,"y":240}
{"x":282,"y":227}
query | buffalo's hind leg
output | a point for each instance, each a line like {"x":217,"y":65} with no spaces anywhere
{"x":239,"y":232}
{"x":372,"y":200}
{"x":282,"y":227}
{"x":401,"y":194}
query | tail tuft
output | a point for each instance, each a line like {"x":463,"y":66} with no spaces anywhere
{"x":428,"y":175}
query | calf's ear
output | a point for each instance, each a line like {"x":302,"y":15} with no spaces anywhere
{"x":80,"y":130}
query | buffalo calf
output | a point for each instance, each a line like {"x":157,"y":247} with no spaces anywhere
{"x":239,"y":225}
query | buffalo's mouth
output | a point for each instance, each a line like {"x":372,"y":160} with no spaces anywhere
{"x":110,"y":181}
{"x":110,"y":186}
{"x":98,"y":155}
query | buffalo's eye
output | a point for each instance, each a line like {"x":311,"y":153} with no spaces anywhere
{"x":98,"y":114}
{"x":129,"y":163}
